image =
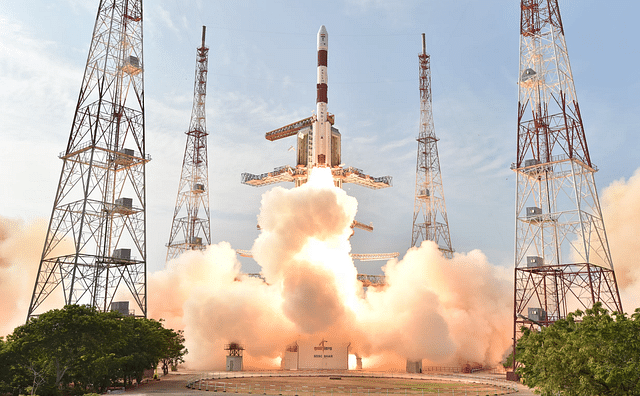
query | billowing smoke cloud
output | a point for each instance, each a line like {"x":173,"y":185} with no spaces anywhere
{"x":445,"y":311}
{"x":20,"y":249}
{"x":621,"y":212}
{"x":432,"y":308}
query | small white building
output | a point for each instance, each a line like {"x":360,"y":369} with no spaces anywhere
{"x":234,"y":358}
{"x":317,"y":354}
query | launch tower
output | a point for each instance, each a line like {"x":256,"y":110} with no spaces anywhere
{"x":99,"y":207}
{"x":190,"y":228}
{"x":562,"y":258}
{"x":429,"y":210}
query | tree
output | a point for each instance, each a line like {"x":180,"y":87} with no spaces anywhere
{"x":78,"y":349}
{"x":174,"y":350}
{"x":588,"y":353}
{"x":62,"y":346}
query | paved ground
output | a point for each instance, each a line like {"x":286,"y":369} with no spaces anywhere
{"x":172,"y":384}
{"x":175,"y":384}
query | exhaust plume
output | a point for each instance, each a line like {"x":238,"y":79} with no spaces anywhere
{"x":621,"y":212}
{"x":444,"y":311}
{"x":19,"y":260}
{"x":432,"y":308}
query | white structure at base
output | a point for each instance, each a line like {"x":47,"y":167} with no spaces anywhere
{"x":317,"y":354}
{"x":234,"y":363}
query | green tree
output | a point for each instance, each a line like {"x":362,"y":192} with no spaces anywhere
{"x":78,"y":349}
{"x":60,"y":346}
{"x":174,"y":349}
{"x":588,"y":353}
{"x":141,"y":347}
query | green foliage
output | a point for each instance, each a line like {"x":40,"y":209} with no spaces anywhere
{"x":588,"y":353}
{"x":173,"y":349}
{"x":508,"y":360}
{"x":77,"y":349}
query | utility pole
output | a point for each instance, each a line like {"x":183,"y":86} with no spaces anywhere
{"x":562,"y":257}
{"x":429,"y":209}
{"x":100,"y":203}
{"x":190,"y":228}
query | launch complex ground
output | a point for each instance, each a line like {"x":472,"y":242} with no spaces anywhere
{"x":338,"y":382}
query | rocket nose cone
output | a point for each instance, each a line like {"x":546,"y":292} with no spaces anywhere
{"x":323,"y":38}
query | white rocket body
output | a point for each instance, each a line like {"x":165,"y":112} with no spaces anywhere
{"x":321,"y":149}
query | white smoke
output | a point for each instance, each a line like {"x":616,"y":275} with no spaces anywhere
{"x":621,"y":212}
{"x":432,"y":308}
{"x":20,"y":250}
{"x":441,"y":310}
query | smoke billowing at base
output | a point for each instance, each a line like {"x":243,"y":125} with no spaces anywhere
{"x":20,"y":251}
{"x":445,"y":311}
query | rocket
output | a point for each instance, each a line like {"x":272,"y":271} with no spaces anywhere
{"x":319,"y":142}
{"x":320,"y":151}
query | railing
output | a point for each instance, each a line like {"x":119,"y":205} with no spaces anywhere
{"x":87,"y":145}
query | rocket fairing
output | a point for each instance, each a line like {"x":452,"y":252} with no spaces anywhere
{"x":321,"y":128}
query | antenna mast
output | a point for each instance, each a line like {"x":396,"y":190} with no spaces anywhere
{"x":190,"y":228}
{"x":429,"y":209}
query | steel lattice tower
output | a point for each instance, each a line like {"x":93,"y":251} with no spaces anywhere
{"x":101,"y":198}
{"x":429,"y":209}
{"x":562,"y":258}
{"x":188,"y":231}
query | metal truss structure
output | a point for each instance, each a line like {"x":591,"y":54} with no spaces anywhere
{"x":190,"y":228}
{"x":99,"y":207}
{"x":367,"y":280}
{"x":372,"y":280}
{"x":562,"y":258}
{"x":429,"y":210}
{"x":355,"y":256}
{"x":299,"y":175}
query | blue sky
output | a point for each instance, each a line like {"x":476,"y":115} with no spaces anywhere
{"x":262,"y":65}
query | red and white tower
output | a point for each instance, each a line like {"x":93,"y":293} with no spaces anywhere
{"x":562,"y":258}
{"x":100,"y":204}
{"x":190,"y":228}
{"x":429,"y":210}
